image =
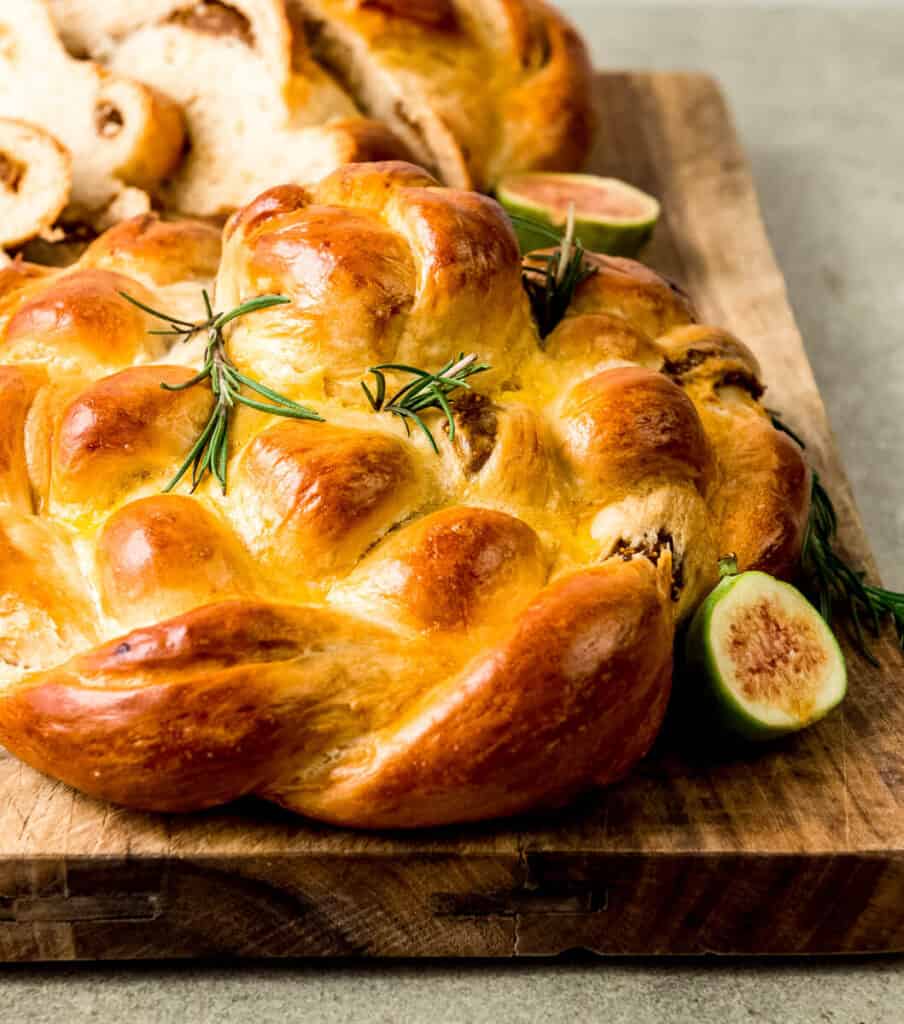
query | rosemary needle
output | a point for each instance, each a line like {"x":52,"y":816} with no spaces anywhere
{"x":551,"y":287}
{"x":425,"y":391}
{"x":210,"y":451}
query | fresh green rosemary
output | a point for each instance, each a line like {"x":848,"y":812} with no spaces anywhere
{"x":210,"y":452}
{"x":834,"y":583}
{"x":426,"y":391}
{"x":551,"y":287}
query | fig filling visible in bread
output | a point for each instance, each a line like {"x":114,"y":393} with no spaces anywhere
{"x":543,"y":50}
{"x":408,"y":128}
{"x":108,"y":119}
{"x":476,"y":425}
{"x":695,"y":357}
{"x":691,"y":359}
{"x":653,"y":551}
{"x":746,"y":381}
{"x":11,"y":172}
{"x":214,"y":19}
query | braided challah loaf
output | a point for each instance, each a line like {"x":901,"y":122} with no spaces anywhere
{"x":362,"y":629}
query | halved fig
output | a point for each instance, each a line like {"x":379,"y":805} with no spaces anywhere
{"x":610,"y":216}
{"x":765,"y":661}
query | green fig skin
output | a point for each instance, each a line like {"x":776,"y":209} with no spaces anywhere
{"x":625,"y":241}
{"x":725,"y":714}
{"x":607,"y":235}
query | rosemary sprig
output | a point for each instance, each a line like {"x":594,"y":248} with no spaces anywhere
{"x":835,"y":584}
{"x":210,"y":452}
{"x":426,"y":391}
{"x":551,"y":287}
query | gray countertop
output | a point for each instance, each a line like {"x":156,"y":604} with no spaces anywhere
{"x":818,"y":91}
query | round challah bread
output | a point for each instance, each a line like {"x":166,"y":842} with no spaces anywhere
{"x":360,"y":628}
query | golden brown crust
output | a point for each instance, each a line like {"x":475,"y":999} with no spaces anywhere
{"x":650,"y":302}
{"x":764,"y":496}
{"x":454,"y":570}
{"x":81,"y":321}
{"x":196,"y":710}
{"x":475,"y":90}
{"x":383,"y":265}
{"x":162,"y":251}
{"x":125,"y":427}
{"x":318,"y":495}
{"x":230,"y":699}
{"x":549,"y":119}
{"x":362,"y":628}
{"x":512,"y":731}
{"x":592,"y":340}
{"x":18,"y":387}
{"x":164,"y":555}
{"x":630,"y":423}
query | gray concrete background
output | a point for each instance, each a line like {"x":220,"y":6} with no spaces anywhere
{"x":819,"y":97}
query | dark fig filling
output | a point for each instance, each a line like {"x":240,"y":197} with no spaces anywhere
{"x":653,"y":552}
{"x":11,"y":172}
{"x":108,"y":119}
{"x":476,"y":426}
{"x":214,"y":19}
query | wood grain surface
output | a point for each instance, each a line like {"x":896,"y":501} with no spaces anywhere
{"x":796,"y":849}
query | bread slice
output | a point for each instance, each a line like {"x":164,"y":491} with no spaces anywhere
{"x":475,"y":88}
{"x":35,"y":181}
{"x":409,"y":72}
{"x":118,"y":131}
{"x":249,"y":123}
{"x":90,"y":28}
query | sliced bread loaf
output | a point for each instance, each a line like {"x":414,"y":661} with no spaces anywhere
{"x":119,"y":132}
{"x":475,"y":88}
{"x":249,"y":123}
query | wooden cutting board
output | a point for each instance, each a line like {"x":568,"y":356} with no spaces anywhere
{"x":798,"y":849}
